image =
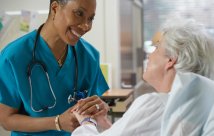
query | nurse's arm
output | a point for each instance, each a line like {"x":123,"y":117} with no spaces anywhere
{"x":12,"y":121}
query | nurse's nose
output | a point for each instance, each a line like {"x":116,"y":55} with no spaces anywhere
{"x":85,"y":27}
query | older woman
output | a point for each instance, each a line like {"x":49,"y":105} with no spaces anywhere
{"x":181,"y":64}
{"x":189,"y":51}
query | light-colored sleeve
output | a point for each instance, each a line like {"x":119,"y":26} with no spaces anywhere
{"x":86,"y":130}
{"x":189,"y":105}
{"x":208,"y":129}
{"x":143,"y":118}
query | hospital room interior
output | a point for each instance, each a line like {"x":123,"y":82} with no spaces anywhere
{"x":122,"y":32}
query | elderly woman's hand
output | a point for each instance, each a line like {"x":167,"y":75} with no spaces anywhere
{"x":80,"y":117}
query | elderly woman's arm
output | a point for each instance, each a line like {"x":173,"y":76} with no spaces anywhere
{"x":143,"y":118}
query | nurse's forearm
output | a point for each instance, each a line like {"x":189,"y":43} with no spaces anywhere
{"x":24,"y":123}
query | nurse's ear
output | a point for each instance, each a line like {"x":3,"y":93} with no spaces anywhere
{"x":170,"y":64}
{"x":54,"y":7}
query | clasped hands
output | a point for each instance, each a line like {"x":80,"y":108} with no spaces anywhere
{"x":92,"y":107}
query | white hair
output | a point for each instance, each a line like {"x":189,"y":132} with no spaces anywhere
{"x":190,"y":44}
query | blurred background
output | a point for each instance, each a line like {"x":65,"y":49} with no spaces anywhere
{"x":122,"y":31}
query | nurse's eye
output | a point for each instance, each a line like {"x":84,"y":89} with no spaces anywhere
{"x":78,"y":13}
{"x":91,"y":19}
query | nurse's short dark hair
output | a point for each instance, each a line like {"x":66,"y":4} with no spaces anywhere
{"x":60,"y":1}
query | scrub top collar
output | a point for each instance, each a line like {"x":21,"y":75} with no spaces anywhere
{"x":44,"y":53}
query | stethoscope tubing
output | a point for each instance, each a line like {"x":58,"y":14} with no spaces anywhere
{"x":34,"y":62}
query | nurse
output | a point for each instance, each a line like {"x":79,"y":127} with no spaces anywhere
{"x":44,"y":73}
{"x":180,"y":68}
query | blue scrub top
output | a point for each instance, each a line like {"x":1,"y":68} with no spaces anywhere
{"x":15,"y":87}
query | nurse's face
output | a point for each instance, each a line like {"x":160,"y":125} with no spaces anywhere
{"x":74,"y":19}
{"x":157,"y":63}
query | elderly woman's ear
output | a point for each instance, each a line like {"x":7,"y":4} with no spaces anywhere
{"x":170,"y":64}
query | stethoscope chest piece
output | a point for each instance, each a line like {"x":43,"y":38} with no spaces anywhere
{"x":77,"y":95}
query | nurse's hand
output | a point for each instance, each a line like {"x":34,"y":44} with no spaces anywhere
{"x":92,"y":106}
{"x":68,"y":121}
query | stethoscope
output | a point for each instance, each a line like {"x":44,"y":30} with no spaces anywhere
{"x":77,"y":95}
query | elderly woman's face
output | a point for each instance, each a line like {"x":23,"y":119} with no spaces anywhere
{"x":74,"y":19}
{"x":156,"y":65}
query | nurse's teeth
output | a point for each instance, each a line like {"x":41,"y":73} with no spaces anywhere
{"x":75,"y":33}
